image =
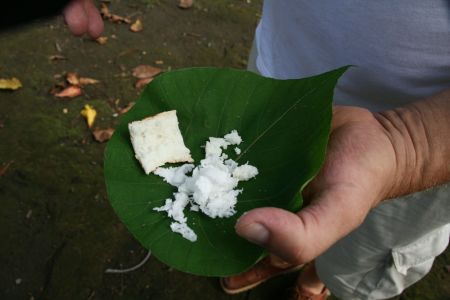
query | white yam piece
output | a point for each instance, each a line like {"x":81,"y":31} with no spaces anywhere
{"x":157,"y":140}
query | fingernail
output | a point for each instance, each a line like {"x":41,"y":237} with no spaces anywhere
{"x":255,"y":233}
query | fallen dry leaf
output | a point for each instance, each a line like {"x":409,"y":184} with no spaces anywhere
{"x":102,"y":135}
{"x":185,"y":3}
{"x":137,"y":26}
{"x":56,"y":57}
{"x":59,"y":86}
{"x":126,"y":108}
{"x":106,"y":14}
{"x":72,"y":78}
{"x":89,"y":113}
{"x":69,"y":92}
{"x":87,"y":80}
{"x":119,"y":19}
{"x":142,"y":82}
{"x":4,"y":167}
{"x":102,"y":40}
{"x":104,"y":11}
{"x":145,"y":71}
{"x":10,"y":84}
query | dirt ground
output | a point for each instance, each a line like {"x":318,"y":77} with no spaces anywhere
{"x":58,"y":232}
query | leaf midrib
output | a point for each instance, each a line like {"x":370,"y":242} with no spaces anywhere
{"x":279,"y":119}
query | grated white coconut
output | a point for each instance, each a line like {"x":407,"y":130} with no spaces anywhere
{"x":211,"y":188}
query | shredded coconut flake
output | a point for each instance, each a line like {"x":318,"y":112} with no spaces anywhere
{"x":211,"y":188}
{"x":245,"y":172}
{"x":184,"y":230}
{"x":233,"y":138}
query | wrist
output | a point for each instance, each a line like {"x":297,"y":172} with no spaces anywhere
{"x":398,"y":124}
{"x":419,"y":137}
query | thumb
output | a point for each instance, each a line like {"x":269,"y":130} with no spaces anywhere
{"x":299,"y":238}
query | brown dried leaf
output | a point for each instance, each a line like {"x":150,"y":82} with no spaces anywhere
{"x":145,"y":71}
{"x":56,"y":57}
{"x":102,"y":40}
{"x":141,"y":83}
{"x":137,"y":26}
{"x":10,"y":84}
{"x":4,"y":167}
{"x":87,"y":80}
{"x":119,"y":19}
{"x":185,"y":3}
{"x":102,"y":135}
{"x":126,"y":108}
{"x":69,"y":92}
{"x":104,"y":11}
{"x":72,"y":78}
{"x":58,"y":87}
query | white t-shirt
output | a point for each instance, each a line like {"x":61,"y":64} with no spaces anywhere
{"x":402,"y":52}
{"x":401,"y":48}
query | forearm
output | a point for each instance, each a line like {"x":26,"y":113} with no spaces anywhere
{"x":420,"y":135}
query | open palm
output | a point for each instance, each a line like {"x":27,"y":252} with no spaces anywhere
{"x":358,"y":173}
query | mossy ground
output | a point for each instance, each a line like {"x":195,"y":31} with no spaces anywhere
{"x":58,"y":232}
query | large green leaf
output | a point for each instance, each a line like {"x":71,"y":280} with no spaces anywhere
{"x":285,"y":126}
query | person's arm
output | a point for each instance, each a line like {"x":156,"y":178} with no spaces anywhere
{"x":370,"y":158}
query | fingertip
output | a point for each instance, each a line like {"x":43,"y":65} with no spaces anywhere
{"x":261,"y":215}
{"x":96,"y":25}
{"x":254,"y":232}
{"x":275,"y":229}
{"x":76,"y":18}
{"x":249,"y":217}
{"x":95,"y":29}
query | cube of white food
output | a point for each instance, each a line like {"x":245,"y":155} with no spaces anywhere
{"x":157,"y":140}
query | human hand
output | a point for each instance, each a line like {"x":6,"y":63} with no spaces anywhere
{"x":83,"y":17}
{"x":358,"y":173}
